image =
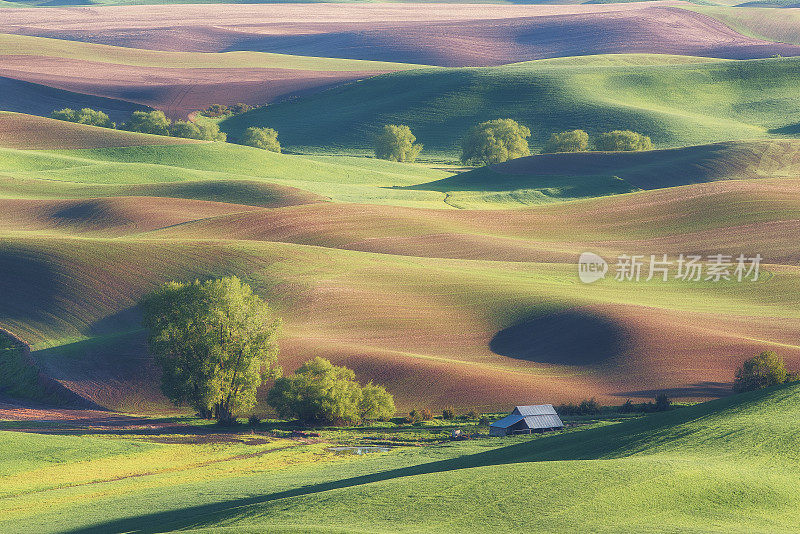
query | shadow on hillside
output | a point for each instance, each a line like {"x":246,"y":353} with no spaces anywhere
{"x":790,"y":129}
{"x":29,"y":284}
{"x":650,"y":169}
{"x":570,"y":337}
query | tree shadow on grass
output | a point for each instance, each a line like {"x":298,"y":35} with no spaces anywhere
{"x":607,"y":442}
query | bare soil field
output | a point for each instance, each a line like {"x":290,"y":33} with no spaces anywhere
{"x":469,"y":35}
{"x":177,"y":92}
{"x":32,"y":133}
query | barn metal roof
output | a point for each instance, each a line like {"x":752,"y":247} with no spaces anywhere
{"x":543,"y":421}
{"x":531,"y":421}
{"x":536,"y":409}
{"x":508,"y":421}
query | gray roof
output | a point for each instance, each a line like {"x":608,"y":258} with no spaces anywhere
{"x":507,"y":421}
{"x":531,"y":421}
{"x":543,"y":421}
{"x":536,"y":409}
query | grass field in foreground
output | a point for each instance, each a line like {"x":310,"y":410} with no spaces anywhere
{"x":724,"y":466}
{"x":676,"y":104}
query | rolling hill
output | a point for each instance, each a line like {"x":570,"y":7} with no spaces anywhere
{"x":176,"y":82}
{"x":377,"y":280}
{"x":677,"y":104}
{"x":470,"y":35}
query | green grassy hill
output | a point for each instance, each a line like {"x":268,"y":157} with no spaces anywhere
{"x":724,"y":466}
{"x":675,"y":104}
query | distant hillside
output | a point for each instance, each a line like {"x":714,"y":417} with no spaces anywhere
{"x":675,"y":104}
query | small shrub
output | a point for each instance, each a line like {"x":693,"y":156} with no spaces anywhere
{"x":586,"y":407}
{"x":627,"y":407}
{"x":483,"y":421}
{"x":470,"y":415}
{"x":622,"y":141}
{"x":663,"y":402}
{"x":264,"y":138}
{"x":571,"y":141}
{"x":413,"y":417}
{"x":494,"y":142}
{"x":448,"y":414}
{"x":765,"y":370}
{"x":254,"y":420}
{"x":396,"y":143}
{"x":417,"y":416}
{"x":589,"y":407}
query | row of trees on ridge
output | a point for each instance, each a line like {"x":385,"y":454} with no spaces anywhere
{"x":500,"y":140}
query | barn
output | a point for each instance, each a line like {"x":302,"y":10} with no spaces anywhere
{"x":527,"y":419}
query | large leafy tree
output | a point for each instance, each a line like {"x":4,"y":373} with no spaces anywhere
{"x":215,"y":342}
{"x":264,"y":138}
{"x":396,"y":143}
{"x":320,"y":392}
{"x":494,"y":142}
{"x":207,"y":131}
{"x":570,"y":141}
{"x":761,"y":371}
{"x":623,"y":141}
{"x":152,"y":122}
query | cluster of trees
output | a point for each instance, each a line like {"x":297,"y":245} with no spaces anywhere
{"x":264,"y":138}
{"x":661,"y":404}
{"x":84,"y":116}
{"x":585,"y":407}
{"x":215,"y":342}
{"x":155,"y":122}
{"x":592,"y":407}
{"x":614,"y":141}
{"x":151,"y":122}
{"x":500,"y":140}
{"x":323,"y":393}
{"x":761,"y":371}
{"x":221,"y":110}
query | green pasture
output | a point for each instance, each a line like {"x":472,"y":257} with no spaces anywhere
{"x":723,"y":466}
{"x":676,"y":104}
